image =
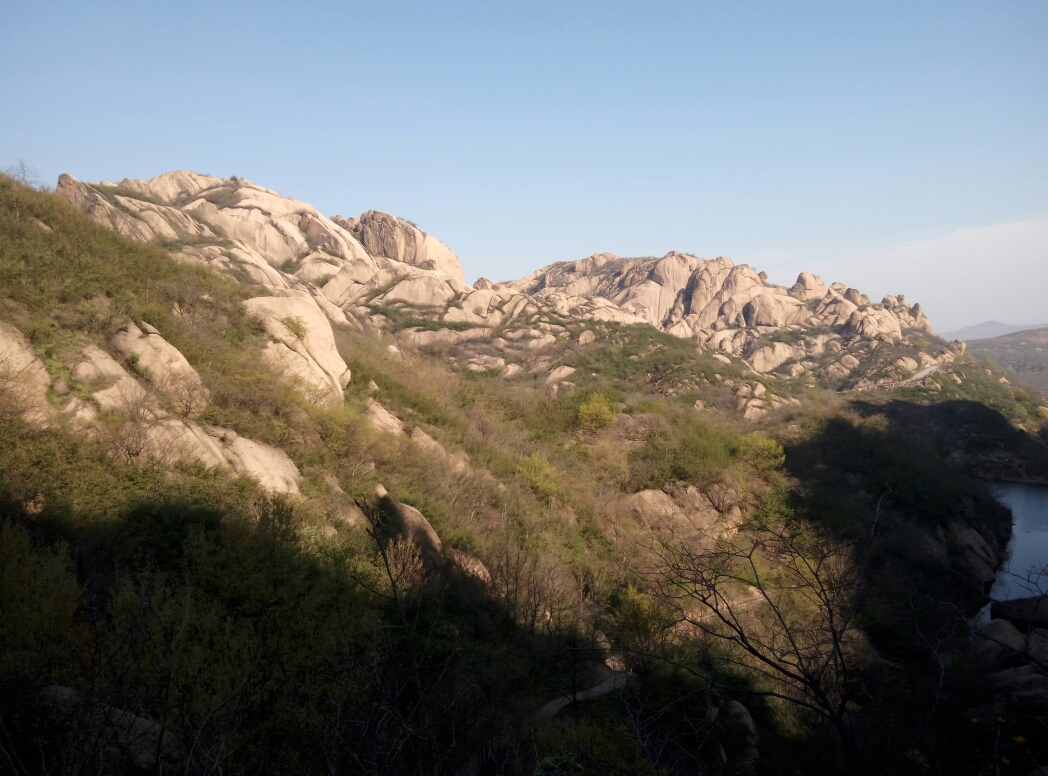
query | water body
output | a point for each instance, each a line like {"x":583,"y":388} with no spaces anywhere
{"x":1028,"y":547}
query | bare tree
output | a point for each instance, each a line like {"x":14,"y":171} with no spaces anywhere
{"x":132,"y":431}
{"x":21,"y":172}
{"x":782,"y":602}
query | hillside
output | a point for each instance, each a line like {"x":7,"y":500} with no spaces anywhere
{"x":989,"y":330}
{"x":1024,"y":355}
{"x":280,"y":493}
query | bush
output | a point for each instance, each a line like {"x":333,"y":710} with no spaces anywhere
{"x":537,"y":472}
{"x":682,"y":449}
{"x":596,"y":413}
{"x":295,"y":325}
{"x":762,"y":453}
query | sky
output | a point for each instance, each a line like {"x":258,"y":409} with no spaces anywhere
{"x":897,"y":147}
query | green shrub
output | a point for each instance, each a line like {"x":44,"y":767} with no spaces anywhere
{"x":596,"y":413}
{"x":682,"y":449}
{"x":537,"y":472}
{"x":295,"y":325}
{"x":762,"y":453}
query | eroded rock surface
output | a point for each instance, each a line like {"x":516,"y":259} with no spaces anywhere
{"x":357,"y":270}
{"x":303,"y":345}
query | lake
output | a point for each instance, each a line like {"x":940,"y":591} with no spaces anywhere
{"x":1028,"y":547}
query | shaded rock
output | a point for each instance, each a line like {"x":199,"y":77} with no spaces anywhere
{"x":973,"y":552}
{"x":123,"y":742}
{"x":414,"y":525}
{"x":741,"y":730}
{"x":1024,"y":613}
{"x":998,"y":643}
{"x":470,"y":565}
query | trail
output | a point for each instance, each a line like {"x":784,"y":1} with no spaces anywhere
{"x":900,"y":383}
{"x":617,"y":681}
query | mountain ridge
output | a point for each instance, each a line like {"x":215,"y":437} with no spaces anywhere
{"x":361,"y":271}
{"x":989,"y":330}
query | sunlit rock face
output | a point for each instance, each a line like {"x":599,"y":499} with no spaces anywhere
{"x":356,"y":271}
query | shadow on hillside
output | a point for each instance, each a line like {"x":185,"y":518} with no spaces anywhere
{"x":971,"y":433}
{"x":258,"y":651}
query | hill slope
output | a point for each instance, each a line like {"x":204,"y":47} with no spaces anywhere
{"x":269,"y":527}
{"x":989,"y":330}
{"x":1024,"y":354}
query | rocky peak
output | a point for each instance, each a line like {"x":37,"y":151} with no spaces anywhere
{"x":355,"y":269}
{"x":386,"y":235}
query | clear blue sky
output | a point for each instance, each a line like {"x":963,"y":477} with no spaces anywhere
{"x":863,"y":141}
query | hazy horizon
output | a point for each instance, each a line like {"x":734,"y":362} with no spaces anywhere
{"x":893,"y":148}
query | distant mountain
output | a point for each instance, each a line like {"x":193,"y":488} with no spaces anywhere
{"x":988,"y":330}
{"x":1023,"y":354}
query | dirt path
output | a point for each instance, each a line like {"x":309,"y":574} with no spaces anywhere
{"x":617,"y":681}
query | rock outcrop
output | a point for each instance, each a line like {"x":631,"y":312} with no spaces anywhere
{"x":255,"y":235}
{"x":23,"y":378}
{"x":718,"y":303}
{"x":303,"y":344}
{"x":359,"y":271}
{"x":135,"y":422}
{"x":400,"y":240}
{"x":164,"y":366}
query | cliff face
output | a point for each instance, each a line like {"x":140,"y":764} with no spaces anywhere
{"x":360,"y":270}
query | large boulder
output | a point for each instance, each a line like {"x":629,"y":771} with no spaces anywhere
{"x":164,"y":366}
{"x":111,"y":385}
{"x":974,"y":553}
{"x":395,"y":238}
{"x":1025,"y":613}
{"x":23,"y":378}
{"x":120,"y":741}
{"x":998,"y":643}
{"x":872,"y":324}
{"x":741,"y":733}
{"x":421,"y":291}
{"x":770,"y":357}
{"x":808,"y":287}
{"x":270,"y":466}
{"x":767,"y":309}
{"x":382,"y":419}
{"x":413,"y":525}
{"x":303,"y":343}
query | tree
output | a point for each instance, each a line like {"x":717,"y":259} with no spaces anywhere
{"x":782,"y":601}
{"x":21,"y":172}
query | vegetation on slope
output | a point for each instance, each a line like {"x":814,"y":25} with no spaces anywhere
{"x":274,"y":635}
